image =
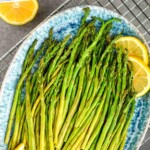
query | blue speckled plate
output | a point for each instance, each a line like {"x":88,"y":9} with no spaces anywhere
{"x":64,"y":23}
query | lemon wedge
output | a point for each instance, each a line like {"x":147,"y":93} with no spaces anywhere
{"x":141,"y":76}
{"x":134,"y":46}
{"x":18,"y":12}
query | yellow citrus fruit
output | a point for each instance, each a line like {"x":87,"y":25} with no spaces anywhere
{"x":134,"y":46}
{"x":141,"y":76}
{"x":20,"y":147}
{"x":18,"y":12}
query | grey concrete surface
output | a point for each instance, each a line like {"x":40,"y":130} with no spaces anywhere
{"x":10,"y":35}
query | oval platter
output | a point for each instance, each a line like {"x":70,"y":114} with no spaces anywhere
{"x":64,"y":23}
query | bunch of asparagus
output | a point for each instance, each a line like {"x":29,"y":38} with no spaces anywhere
{"x":79,"y":97}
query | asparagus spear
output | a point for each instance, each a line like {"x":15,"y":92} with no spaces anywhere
{"x":107,"y":140}
{"x":36,"y":104}
{"x":89,"y":94}
{"x":37,"y":131}
{"x":113,"y":87}
{"x":20,"y":82}
{"x":122,"y":144}
{"x":95,"y":120}
{"x":50,"y":50}
{"x":102,"y":44}
{"x":17,"y":122}
{"x":38,"y":99}
{"x":77,"y":144}
{"x":42,"y":118}
{"x":85,"y":55}
{"x":125,"y":129}
{"x":88,"y":109}
{"x":50,"y":53}
{"x":114,"y":106}
{"x":125,"y":71}
{"x":53,"y":84}
{"x":9,"y":145}
{"x":94,"y":144}
{"x":29,"y":56}
{"x":46,"y":129}
{"x":77,"y":132}
{"x":101,"y":119}
{"x":89,"y":80}
{"x":102,"y":59}
{"x":29,"y":117}
{"x":71,"y":73}
{"x":53,"y":99}
{"x":48,"y":56}
{"x":79,"y":139}
{"x":70,"y":128}
{"x":70,"y":89}
{"x":72,"y":110}
{"x":25,"y":136}
{"x":27,"y":62}
{"x":74,"y":45}
{"x":115,"y":140}
{"x":86,"y":12}
{"x":59,"y":53}
{"x":56,"y":87}
{"x":74,"y":91}
{"x":88,"y":105}
{"x":50,"y":126}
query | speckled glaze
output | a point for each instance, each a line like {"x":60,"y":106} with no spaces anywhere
{"x":64,"y":23}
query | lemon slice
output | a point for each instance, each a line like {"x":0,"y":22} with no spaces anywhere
{"x":134,"y":46}
{"x":20,"y":147}
{"x":141,"y":76}
{"x":18,"y":12}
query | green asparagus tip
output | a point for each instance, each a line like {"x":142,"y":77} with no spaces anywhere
{"x":86,"y":13}
{"x":34,"y":42}
{"x":51,"y":32}
{"x":115,"y":19}
{"x":86,"y":10}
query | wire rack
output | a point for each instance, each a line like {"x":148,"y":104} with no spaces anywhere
{"x":136,"y":11}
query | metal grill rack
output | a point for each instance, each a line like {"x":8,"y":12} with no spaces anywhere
{"x":136,"y":11}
